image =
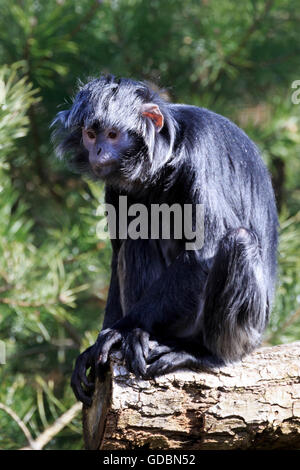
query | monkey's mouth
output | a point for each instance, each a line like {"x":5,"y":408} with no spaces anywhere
{"x":104,"y":167}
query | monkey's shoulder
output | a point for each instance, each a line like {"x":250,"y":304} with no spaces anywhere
{"x":198,"y":117}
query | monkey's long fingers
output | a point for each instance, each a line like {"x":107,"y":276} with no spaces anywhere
{"x":80,"y":393}
{"x":157,"y":352}
{"x":78,"y":378}
{"x":164,"y":364}
{"x":81,"y":367}
{"x":172,"y":361}
{"x":106,"y":340}
{"x":144,"y":341}
{"x":136,"y":350}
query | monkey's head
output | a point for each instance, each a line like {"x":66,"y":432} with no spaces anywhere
{"x":118,"y":130}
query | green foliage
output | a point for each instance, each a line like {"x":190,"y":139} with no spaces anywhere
{"x":237,"y":58}
{"x":285,"y":320}
{"x":40,"y":280}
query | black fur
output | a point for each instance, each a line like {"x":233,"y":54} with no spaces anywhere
{"x":203,"y":307}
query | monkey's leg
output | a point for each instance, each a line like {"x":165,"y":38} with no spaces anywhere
{"x":167,"y":310}
{"x":236,"y":307}
{"x":181,"y":354}
{"x":234,"y":313}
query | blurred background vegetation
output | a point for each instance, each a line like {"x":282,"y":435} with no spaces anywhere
{"x":237,"y":58}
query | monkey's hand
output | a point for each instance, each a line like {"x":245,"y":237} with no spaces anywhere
{"x":134,"y":346}
{"x":95,"y":357}
{"x":135,"y":349}
{"x":82,"y":387}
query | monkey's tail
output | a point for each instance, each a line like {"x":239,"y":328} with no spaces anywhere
{"x":235,"y":310}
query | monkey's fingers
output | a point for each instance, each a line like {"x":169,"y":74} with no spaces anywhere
{"x":80,"y":393}
{"x":172,"y":361}
{"x":79,"y":377}
{"x":136,"y":349}
{"x":158,"y":351}
{"x":106,"y":340}
{"x":144,"y":341}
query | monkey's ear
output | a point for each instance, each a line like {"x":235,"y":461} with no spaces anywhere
{"x":153,"y":112}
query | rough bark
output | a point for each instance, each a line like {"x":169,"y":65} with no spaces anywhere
{"x":251,"y":405}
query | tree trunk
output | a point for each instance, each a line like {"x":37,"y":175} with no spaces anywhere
{"x":254,"y":404}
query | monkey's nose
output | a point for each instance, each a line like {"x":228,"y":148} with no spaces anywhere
{"x":99,"y":151}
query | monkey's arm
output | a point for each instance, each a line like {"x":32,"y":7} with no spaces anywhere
{"x":168,"y":310}
{"x":113,"y":313}
{"x":113,"y":309}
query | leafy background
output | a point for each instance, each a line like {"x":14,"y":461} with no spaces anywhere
{"x":237,"y":58}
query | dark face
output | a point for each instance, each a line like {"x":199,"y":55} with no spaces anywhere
{"x":111,"y":132}
{"x":105,"y":148}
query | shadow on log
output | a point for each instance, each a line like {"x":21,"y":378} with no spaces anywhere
{"x":251,"y":405}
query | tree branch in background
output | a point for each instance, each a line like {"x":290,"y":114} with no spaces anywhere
{"x":55,"y":428}
{"x":20,"y":423}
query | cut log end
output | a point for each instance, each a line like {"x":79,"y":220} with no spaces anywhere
{"x":254,"y":404}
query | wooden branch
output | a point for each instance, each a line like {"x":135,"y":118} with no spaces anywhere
{"x":55,"y":428}
{"x":20,"y":423}
{"x":251,"y":405}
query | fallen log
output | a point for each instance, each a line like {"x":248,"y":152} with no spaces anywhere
{"x":254,"y":404}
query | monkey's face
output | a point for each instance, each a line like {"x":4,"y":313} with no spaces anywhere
{"x":112,"y":132}
{"x":106,"y":147}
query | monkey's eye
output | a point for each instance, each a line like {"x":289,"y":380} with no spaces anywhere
{"x":91,"y":134}
{"x":112,"y":134}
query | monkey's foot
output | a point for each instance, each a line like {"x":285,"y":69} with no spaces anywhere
{"x":164,"y":359}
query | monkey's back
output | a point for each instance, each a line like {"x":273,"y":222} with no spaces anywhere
{"x":231,"y":180}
